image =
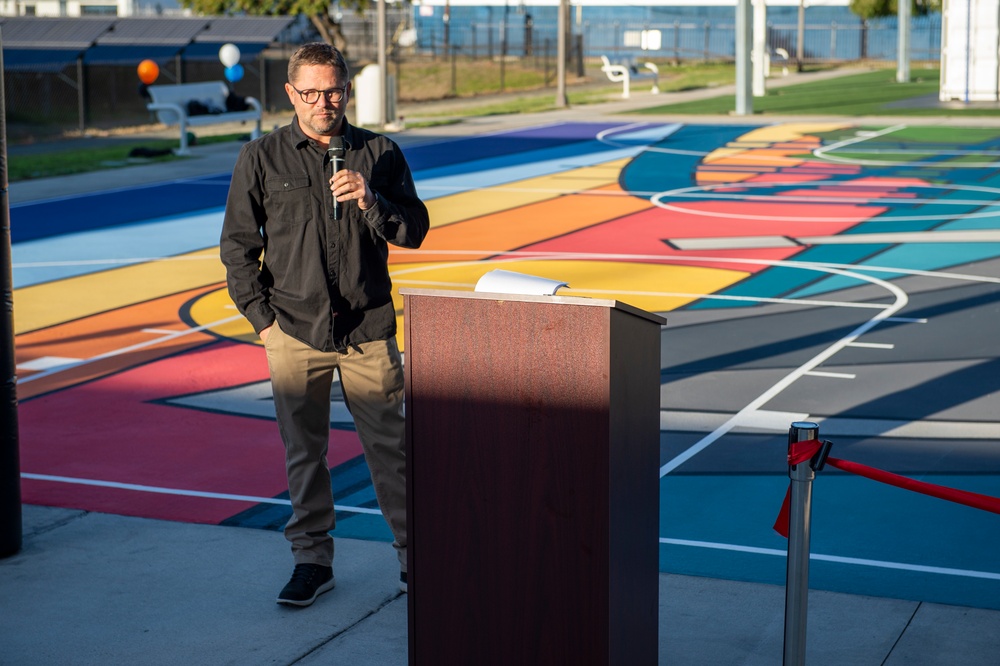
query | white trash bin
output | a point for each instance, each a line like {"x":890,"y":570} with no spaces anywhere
{"x":368,"y":97}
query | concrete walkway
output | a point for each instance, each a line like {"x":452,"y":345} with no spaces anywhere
{"x":104,"y":589}
{"x":101,"y":589}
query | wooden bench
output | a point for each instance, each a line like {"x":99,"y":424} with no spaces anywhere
{"x":200,"y":104}
{"x":625,"y":72}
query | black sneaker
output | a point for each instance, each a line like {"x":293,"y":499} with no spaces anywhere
{"x":402,"y":581}
{"x":308,"y":582}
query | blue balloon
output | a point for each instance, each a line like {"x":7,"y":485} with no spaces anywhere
{"x":234,"y":73}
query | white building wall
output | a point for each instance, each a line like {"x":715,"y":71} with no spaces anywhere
{"x":970,"y":66}
{"x":63,"y":8}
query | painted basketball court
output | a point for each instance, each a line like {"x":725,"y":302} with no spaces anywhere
{"x":821,"y":271}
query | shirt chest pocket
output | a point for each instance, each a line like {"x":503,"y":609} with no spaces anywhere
{"x":288,"y":198}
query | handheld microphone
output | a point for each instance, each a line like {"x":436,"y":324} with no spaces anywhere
{"x":336,"y":152}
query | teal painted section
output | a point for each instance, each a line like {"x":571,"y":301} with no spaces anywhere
{"x":852,"y":517}
{"x":917,"y":256}
{"x":776,"y":282}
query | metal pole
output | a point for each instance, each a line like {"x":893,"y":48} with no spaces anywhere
{"x":760,"y":55}
{"x":81,"y":96}
{"x":903,"y":57}
{"x":744,"y":83}
{"x":800,"y":46}
{"x":561,"y":99}
{"x":797,"y":577}
{"x":10,"y":465}
{"x":383,"y":77}
{"x":262,"y":79}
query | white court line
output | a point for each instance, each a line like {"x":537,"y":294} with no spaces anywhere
{"x":711,"y":192}
{"x":891,"y":238}
{"x":858,"y":138}
{"x":832,"y":375}
{"x":458,"y":189}
{"x":824,"y":153}
{"x":182,"y":493}
{"x":170,"y":335}
{"x":944,"y":571}
{"x":807,"y":367}
{"x":873,"y":345}
{"x":901,"y":300}
{"x":676,"y":294}
{"x":101,"y":262}
{"x":722,"y":297}
{"x":516,"y":255}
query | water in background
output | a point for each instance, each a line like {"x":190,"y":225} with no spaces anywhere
{"x":685,"y":32}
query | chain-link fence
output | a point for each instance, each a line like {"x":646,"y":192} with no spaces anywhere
{"x":97,"y":97}
{"x":87,"y":97}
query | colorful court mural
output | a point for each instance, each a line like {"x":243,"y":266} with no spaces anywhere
{"x":816,"y":270}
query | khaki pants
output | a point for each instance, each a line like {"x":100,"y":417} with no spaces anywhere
{"x":371,"y":376}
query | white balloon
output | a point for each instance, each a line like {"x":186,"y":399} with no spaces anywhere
{"x":229,"y":54}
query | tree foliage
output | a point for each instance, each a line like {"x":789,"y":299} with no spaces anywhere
{"x":869,"y":9}
{"x":318,"y":12}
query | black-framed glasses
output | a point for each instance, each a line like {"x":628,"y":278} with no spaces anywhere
{"x":312,"y":96}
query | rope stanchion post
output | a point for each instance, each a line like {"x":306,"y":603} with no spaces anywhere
{"x":806,"y":456}
{"x":797,"y":577}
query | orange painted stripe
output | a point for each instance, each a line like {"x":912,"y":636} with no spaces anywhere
{"x":508,"y":230}
{"x":104,"y":333}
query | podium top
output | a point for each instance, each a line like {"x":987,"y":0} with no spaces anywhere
{"x":523,"y":298}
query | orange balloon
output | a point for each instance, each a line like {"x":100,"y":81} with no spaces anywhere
{"x":148,"y":71}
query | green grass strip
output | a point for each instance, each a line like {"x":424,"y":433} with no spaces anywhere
{"x":874,"y":93}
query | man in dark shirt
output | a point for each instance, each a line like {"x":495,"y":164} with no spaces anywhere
{"x":317,"y":290}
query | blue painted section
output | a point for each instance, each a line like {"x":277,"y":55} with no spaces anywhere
{"x":917,"y":256}
{"x":722,"y":511}
{"x":852,"y":518}
{"x":460,"y":164}
{"x":116,"y":207}
{"x":513,"y":143}
{"x":671,"y":163}
{"x":513,"y":167}
{"x":73,"y":254}
{"x":780,"y":281}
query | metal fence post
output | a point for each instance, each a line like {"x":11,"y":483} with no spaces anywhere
{"x":797,"y":577}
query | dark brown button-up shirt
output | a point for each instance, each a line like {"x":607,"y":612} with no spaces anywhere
{"x":326,"y":281}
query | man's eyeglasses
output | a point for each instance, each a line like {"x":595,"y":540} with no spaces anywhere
{"x":312,"y":96}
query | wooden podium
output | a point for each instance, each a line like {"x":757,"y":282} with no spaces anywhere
{"x":533,"y":456}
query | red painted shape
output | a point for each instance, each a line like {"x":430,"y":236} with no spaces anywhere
{"x":644,"y":233}
{"x":115,"y":429}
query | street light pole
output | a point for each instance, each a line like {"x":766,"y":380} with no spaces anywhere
{"x":800,"y":46}
{"x":383,"y":76}
{"x":562,"y":26}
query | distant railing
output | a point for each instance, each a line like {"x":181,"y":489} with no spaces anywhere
{"x":105,"y":96}
{"x":708,"y":40}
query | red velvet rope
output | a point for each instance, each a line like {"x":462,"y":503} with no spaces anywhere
{"x":800,"y":452}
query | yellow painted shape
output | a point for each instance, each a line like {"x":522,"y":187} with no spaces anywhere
{"x":725,"y":176}
{"x":218,"y":306}
{"x":486,"y":201}
{"x":42,"y":305}
{"x":751,"y":148}
{"x":651,"y":287}
{"x":768,"y":158}
{"x":788,"y":132}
